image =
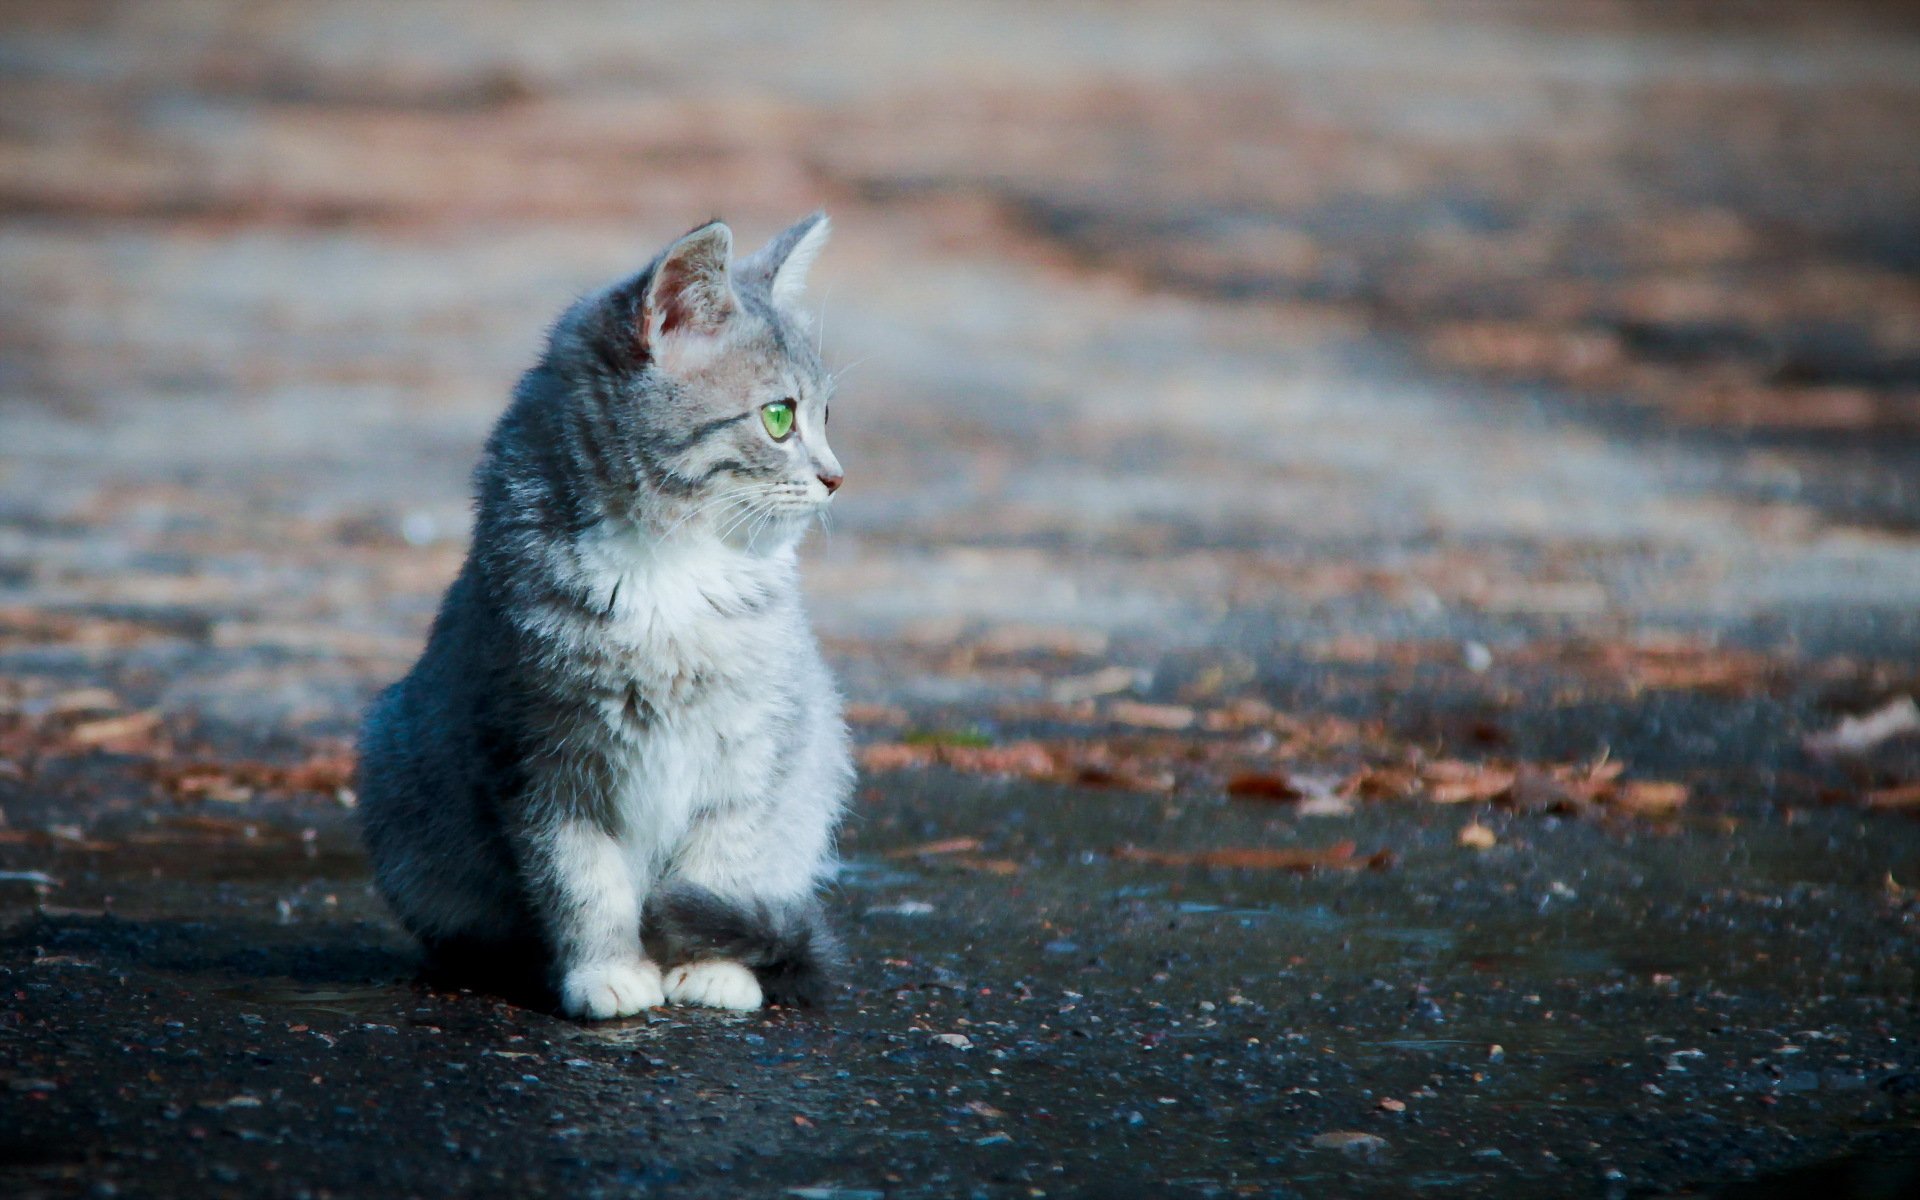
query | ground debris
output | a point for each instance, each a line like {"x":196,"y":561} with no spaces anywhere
{"x":1352,"y":1143}
{"x":1263,"y":785}
{"x":1340,"y":856}
{"x":1477,"y":837}
{"x":327,"y":772}
{"x":1857,"y":735}
{"x":1905,"y":796}
{"x":1252,"y":769}
{"x":953,"y":845}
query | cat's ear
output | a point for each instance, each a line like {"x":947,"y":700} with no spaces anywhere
{"x":781,"y":265}
{"x":691,"y":291}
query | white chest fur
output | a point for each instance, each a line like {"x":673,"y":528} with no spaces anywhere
{"x":706,"y":635}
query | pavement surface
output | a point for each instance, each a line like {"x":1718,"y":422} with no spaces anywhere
{"x":1377,"y":584}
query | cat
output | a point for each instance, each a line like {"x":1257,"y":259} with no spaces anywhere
{"x":621,"y":749}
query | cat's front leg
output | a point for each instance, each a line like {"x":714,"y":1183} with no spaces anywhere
{"x":590,"y":907}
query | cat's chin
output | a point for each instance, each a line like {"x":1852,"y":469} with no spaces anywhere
{"x":777,"y":532}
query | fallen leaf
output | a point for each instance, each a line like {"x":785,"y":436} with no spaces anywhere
{"x":1339,"y":856}
{"x":895,"y":756}
{"x":1060,"y":641}
{"x":1452,"y":782}
{"x":953,"y":845}
{"x":989,"y":866}
{"x":1104,"y":682}
{"x":1907,"y":795}
{"x":1255,"y":785}
{"x":1238,"y":715}
{"x":1857,"y":735}
{"x":236,"y":781}
{"x":1171,"y":717}
{"x":114,"y":729}
{"x":1649,"y":798}
{"x":91,"y":699}
{"x":875,"y":714}
{"x":1028,"y":759}
{"x":1381,"y":783}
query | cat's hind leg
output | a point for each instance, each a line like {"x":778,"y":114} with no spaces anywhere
{"x":784,"y":948}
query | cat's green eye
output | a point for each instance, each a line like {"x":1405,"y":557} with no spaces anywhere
{"x":778,"y":418}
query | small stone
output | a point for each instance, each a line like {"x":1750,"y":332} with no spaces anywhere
{"x":1393,"y":1106}
{"x":1477,"y":837}
{"x":1351,"y":1143}
{"x":959,"y":1041}
{"x":904,"y":908}
{"x":1496,"y":1053}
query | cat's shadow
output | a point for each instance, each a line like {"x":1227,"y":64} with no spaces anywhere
{"x":355,"y":967}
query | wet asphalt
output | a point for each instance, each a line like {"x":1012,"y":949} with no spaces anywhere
{"x":1580,"y":1011}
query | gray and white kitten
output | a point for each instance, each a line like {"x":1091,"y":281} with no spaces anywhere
{"x":621,"y":726}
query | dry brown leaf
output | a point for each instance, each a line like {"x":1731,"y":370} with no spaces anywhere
{"x":123,"y":728}
{"x":895,"y":756}
{"x":1339,"y":856}
{"x":1907,"y":795}
{"x":1238,"y":715}
{"x":990,"y":866}
{"x":1649,"y":798}
{"x":1453,"y":782}
{"x":876,"y":714}
{"x":235,"y":781}
{"x":1263,"y":785}
{"x":953,"y":845}
{"x":1059,"y":641}
{"x":1028,"y":759}
{"x":1172,"y":717}
{"x":1380,"y":783}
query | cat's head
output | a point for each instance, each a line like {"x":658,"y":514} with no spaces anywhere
{"x":725,"y":396}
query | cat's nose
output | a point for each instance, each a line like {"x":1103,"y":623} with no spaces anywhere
{"x":832,"y":480}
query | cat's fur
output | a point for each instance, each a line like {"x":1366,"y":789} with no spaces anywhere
{"x":621,"y":716}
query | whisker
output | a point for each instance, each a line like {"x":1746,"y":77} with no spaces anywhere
{"x":850,"y":366}
{"x":742,"y":494}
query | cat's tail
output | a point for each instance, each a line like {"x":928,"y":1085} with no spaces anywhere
{"x":789,"y":946}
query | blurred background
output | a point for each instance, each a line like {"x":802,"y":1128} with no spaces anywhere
{"x":1475,"y":441}
{"x":1305,"y":330}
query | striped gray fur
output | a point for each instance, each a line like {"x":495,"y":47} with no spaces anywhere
{"x":621,"y":717}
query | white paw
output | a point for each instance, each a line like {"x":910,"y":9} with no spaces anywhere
{"x":603,"y":991}
{"x":716,"y":984}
